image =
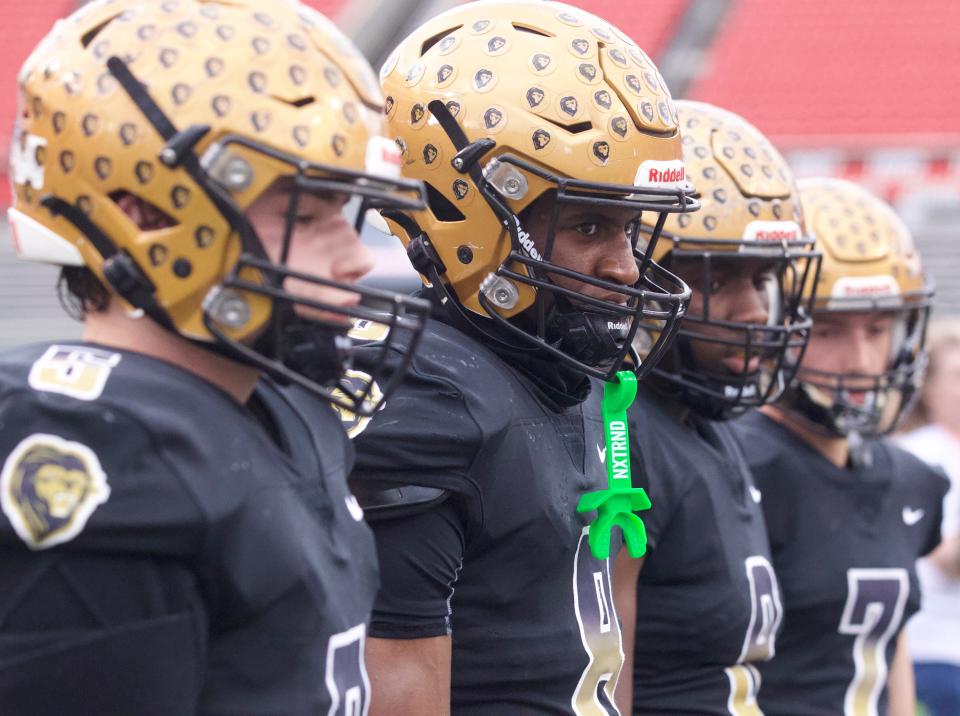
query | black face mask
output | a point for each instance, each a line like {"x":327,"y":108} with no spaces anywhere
{"x":291,"y":349}
{"x":776,"y":346}
{"x":654,"y":303}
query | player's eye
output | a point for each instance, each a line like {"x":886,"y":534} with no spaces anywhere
{"x":588,"y":228}
{"x":762,"y":280}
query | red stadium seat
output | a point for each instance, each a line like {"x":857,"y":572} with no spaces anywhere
{"x":829,"y":72}
{"x":649,"y":24}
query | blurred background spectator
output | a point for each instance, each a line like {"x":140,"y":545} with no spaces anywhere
{"x":934,"y":633}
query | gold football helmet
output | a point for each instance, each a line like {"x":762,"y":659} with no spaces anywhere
{"x":870,"y":264}
{"x":197,"y":108}
{"x":750,"y":216}
{"x":496,"y":104}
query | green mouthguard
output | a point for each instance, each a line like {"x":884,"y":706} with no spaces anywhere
{"x":617,"y":504}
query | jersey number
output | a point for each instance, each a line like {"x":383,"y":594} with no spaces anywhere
{"x":599,"y":632}
{"x":346,"y":673}
{"x":759,"y":644}
{"x":873,"y":612}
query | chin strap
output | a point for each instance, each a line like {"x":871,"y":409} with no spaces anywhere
{"x":861,"y":452}
{"x":617,"y":504}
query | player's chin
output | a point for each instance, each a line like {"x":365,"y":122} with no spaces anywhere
{"x":309,"y":297}
{"x":337,"y":321}
{"x":738,"y":366}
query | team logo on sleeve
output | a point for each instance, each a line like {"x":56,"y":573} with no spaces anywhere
{"x":366,"y":331}
{"x":78,"y":371}
{"x":357,"y":381}
{"x":49,"y":487}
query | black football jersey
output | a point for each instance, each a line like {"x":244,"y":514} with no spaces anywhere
{"x":161,"y":553}
{"x":708,"y":602}
{"x":844,"y":543}
{"x":529,"y":608}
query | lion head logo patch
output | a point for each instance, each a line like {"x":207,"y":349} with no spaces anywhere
{"x":358,"y":382}
{"x":569,"y":106}
{"x":460,"y":189}
{"x":587,"y":71}
{"x":534,"y":97}
{"x":492,"y":117}
{"x":482,"y":80}
{"x":540,"y":61}
{"x":601,"y":150}
{"x":444,"y":73}
{"x":417,"y":114}
{"x":496,"y":44}
{"x":541,"y":138}
{"x":618,"y":57}
{"x":49,"y":487}
{"x":446,"y":44}
{"x":580,"y":46}
{"x":618,"y":125}
{"x":646,"y":109}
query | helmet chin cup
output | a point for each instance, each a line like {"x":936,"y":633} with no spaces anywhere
{"x":589,"y":337}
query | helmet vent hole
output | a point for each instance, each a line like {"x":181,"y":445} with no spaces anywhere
{"x":532,"y":30}
{"x":430,"y":42}
{"x":441,"y":207}
{"x":575,"y":128}
{"x":298,"y":103}
{"x":89,"y":36}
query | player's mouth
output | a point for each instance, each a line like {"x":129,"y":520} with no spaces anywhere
{"x":737,"y":366}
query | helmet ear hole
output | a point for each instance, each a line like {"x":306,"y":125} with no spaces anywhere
{"x":441,"y":207}
{"x":146,"y":215}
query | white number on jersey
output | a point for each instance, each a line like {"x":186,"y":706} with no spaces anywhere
{"x":759,"y":644}
{"x":873,"y":613}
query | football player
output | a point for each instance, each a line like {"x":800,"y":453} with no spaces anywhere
{"x":541,"y":133}
{"x":706,"y":606}
{"x":173,"y":542}
{"x":848,"y":512}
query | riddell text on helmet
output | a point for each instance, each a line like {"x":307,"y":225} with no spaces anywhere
{"x":666,"y":176}
{"x":781,"y":235}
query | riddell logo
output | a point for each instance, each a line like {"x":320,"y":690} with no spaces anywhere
{"x":383,"y":158}
{"x":618,"y":326}
{"x":877,"y":290}
{"x":666,"y":176}
{"x":527,"y":243}
{"x":865,"y":287}
{"x":772,"y":231}
{"x":390,"y":155}
{"x":775,"y":235}
{"x":656,"y":173}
